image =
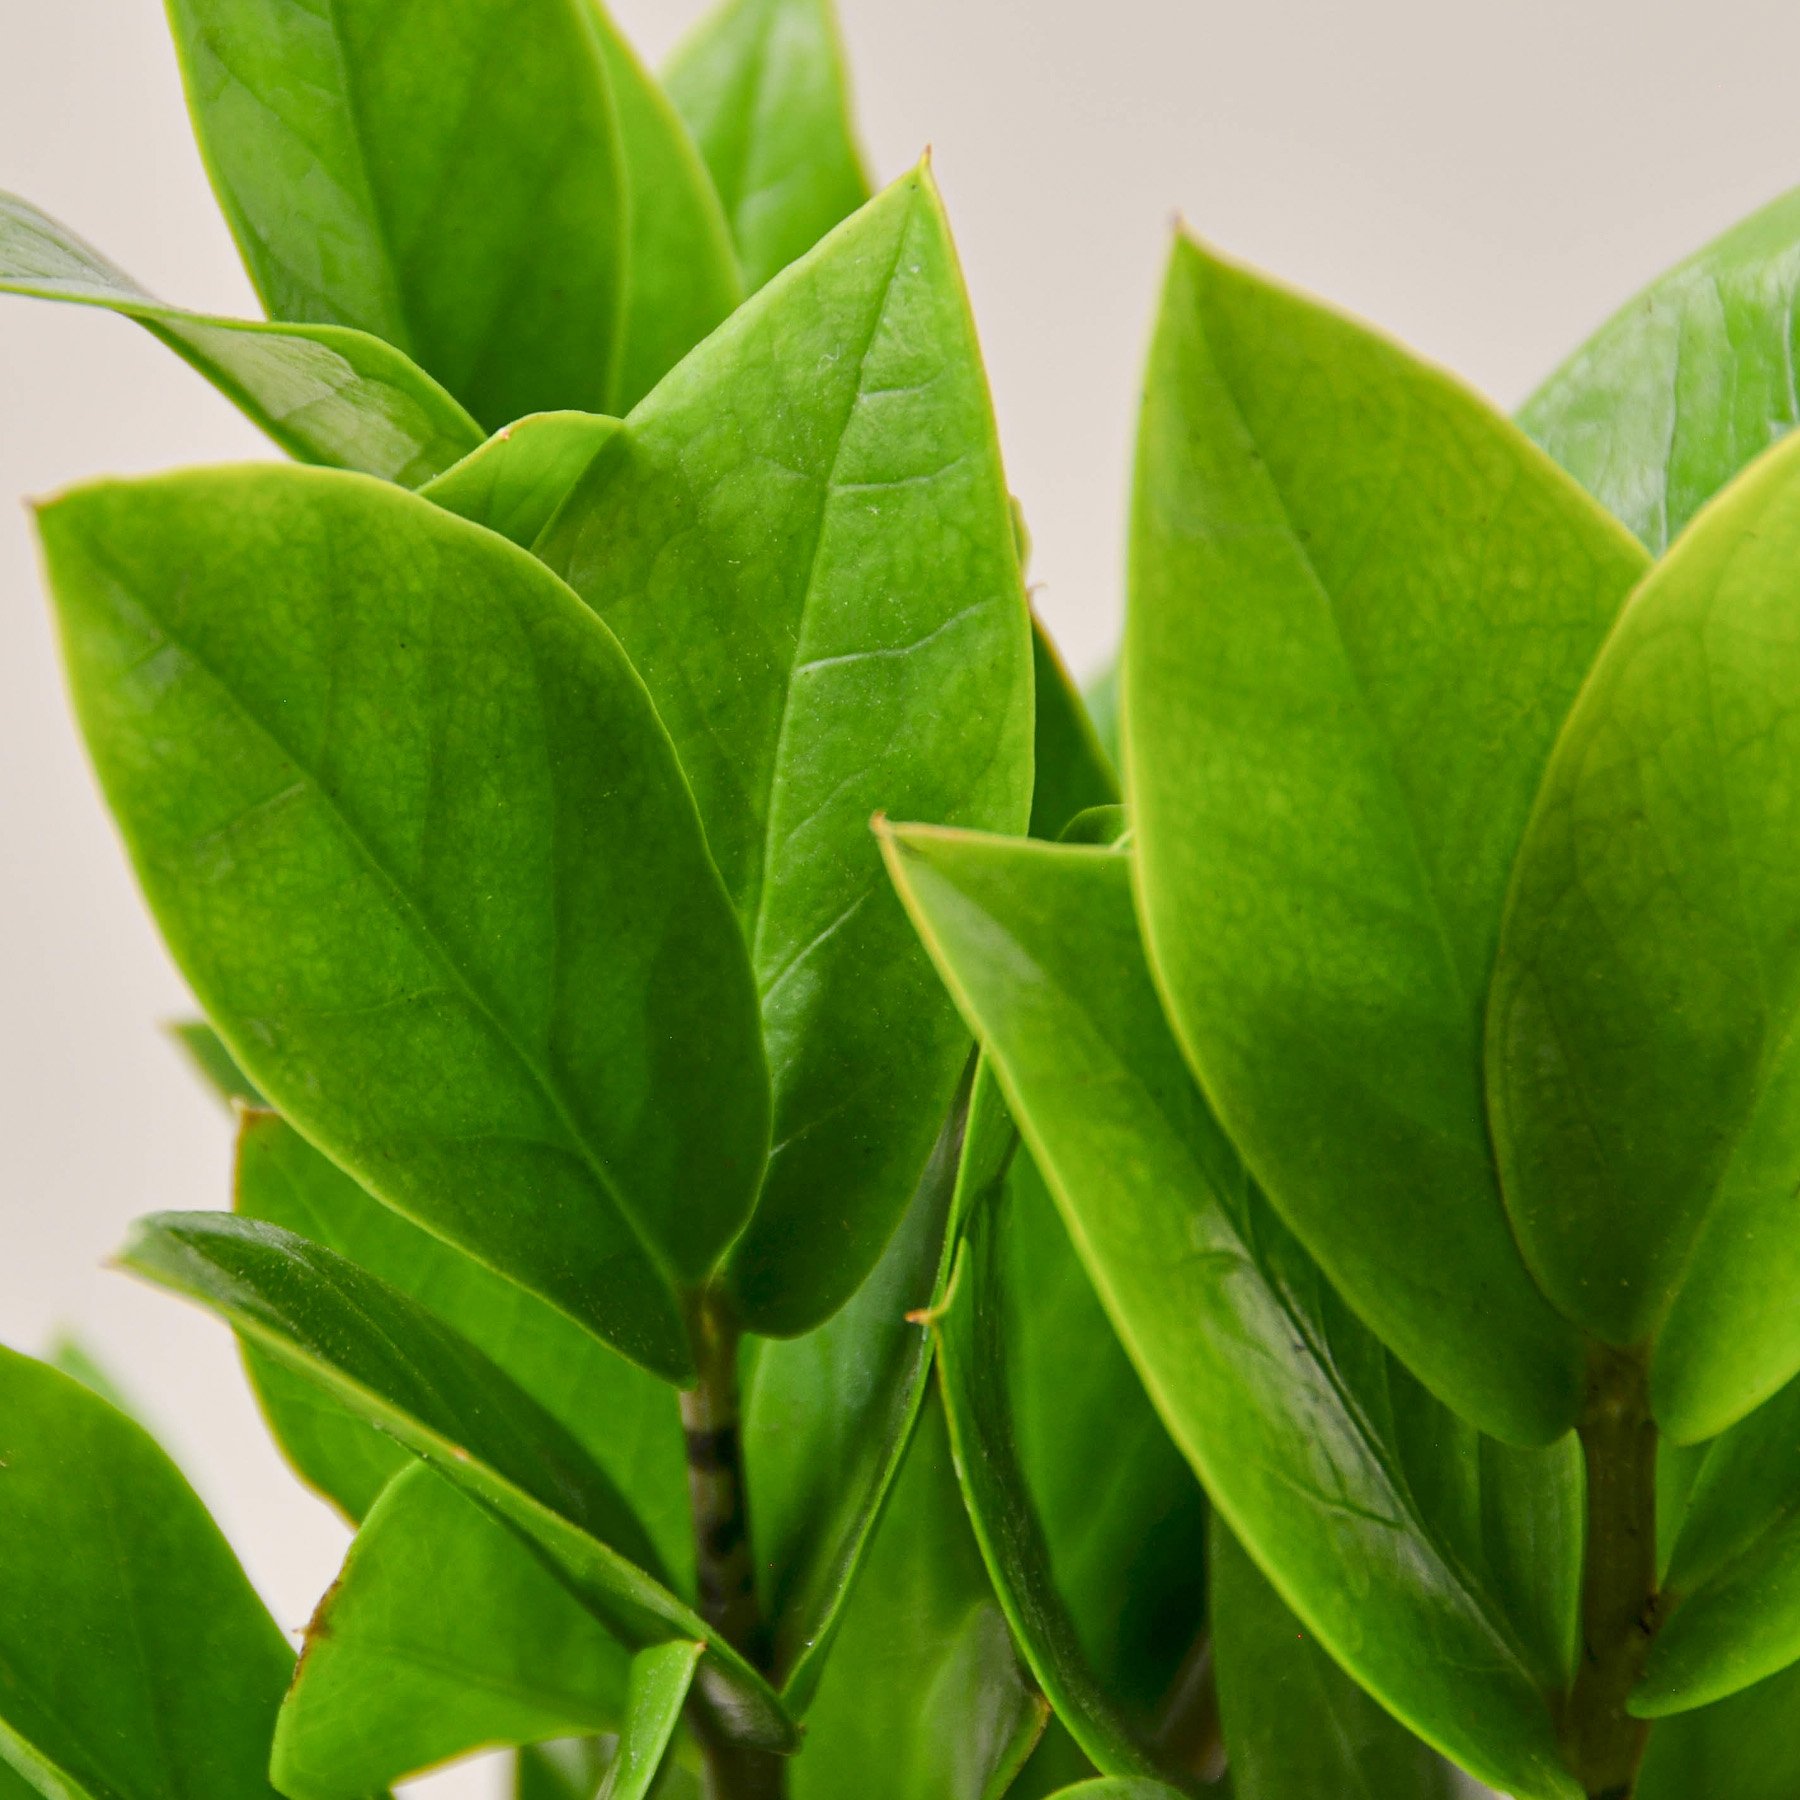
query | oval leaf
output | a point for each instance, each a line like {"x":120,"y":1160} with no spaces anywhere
{"x":816,"y":496}
{"x":1358,"y":590}
{"x":409,"y":823}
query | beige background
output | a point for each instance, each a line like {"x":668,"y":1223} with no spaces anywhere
{"x":1486,"y":181}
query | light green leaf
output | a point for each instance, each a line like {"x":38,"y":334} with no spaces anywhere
{"x":213,"y":1063}
{"x":477,"y":182}
{"x":414,"y":833}
{"x":626,"y":1420}
{"x":1346,"y":1480}
{"x":1073,"y":772}
{"x":1356,"y":590}
{"x":762,"y":86}
{"x":384,"y":1356}
{"x":1128,"y":1788}
{"x":1686,"y":383}
{"x":566,"y":1769}
{"x":827,"y":1418}
{"x":442,"y":1635}
{"x":1034,"y":1384}
{"x":1744,"y":1748}
{"x":803,"y":540}
{"x":136,"y":1662}
{"x":325,"y":393}
{"x":514,"y":483}
{"x":923,"y":1698}
{"x":1296,"y":1726}
{"x":660,"y":1679}
{"x":1643,"y":1083}
{"x":1102,"y":697}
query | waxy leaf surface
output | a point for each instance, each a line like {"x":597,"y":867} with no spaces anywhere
{"x":325,"y":393}
{"x":762,"y":86}
{"x":1361,"y":606}
{"x":660,"y":1678}
{"x":413,"y":832}
{"x":136,"y":1662}
{"x":1296,"y":1726}
{"x":625,"y":1419}
{"x":443,"y":1634}
{"x":402,"y":1369}
{"x":514,"y":483}
{"x":1745,"y":1747}
{"x":803,"y":540}
{"x":1643,"y":1081}
{"x":1687,"y":383}
{"x":1352,"y":1486}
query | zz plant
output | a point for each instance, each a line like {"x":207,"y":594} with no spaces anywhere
{"x":1342,"y":1176}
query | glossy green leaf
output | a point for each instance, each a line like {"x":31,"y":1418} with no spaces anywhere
{"x":1357,"y":1491}
{"x":1103,"y":1584}
{"x":1102,"y":697}
{"x":763,"y":88}
{"x":442,"y":1635}
{"x":414,"y":833}
{"x":1356,"y":589}
{"x":1643,"y":1082}
{"x":1686,"y":383}
{"x":325,"y":393}
{"x":1744,"y":1748}
{"x":1296,"y":1726}
{"x":214,"y":1064}
{"x":515,"y":482}
{"x":136,"y":1662}
{"x":384,"y":1356}
{"x":626,"y":1420}
{"x":803,"y":540}
{"x":490,"y":185}
{"x":565,"y":1769}
{"x":1128,"y":1788}
{"x":660,"y":1678}
{"x":923,"y":1698}
{"x":827,"y":1418}
{"x":1073,"y":772}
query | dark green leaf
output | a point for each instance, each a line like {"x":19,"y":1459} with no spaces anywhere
{"x":567,"y":1769}
{"x":1643,"y":1081}
{"x":443,"y":1634}
{"x":923,"y":1698}
{"x":1357,"y":589}
{"x":416,"y":837}
{"x":762,"y":86}
{"x":827,"y":1418}
{"x":660,"y":1678}
{"x":136,"y":1662}
{"x":626,"y":1420}
{"x":1686,"y":383}
{"x":382,"y":1355}
{"x":1073,"y":772}
{"x":1341,"y":1473}
{"x":326,"y":394}
{"x":1744,"y":1748}
{"x":515,"y":482}
{"x":803,"y":541}
{"x":1296,"y":1726}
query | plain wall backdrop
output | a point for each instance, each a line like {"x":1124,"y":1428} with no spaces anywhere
{"x":1487,"y":182}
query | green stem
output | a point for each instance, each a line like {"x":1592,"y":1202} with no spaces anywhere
{"x":724,"y":1565}
{"x":1603,"y":1742}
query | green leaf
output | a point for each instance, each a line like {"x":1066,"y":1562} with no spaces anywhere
{"x":1102,"y":697}
{"x":1745,"y":1748}
{"x":660,"y":1679}
{"x":1686,"y":383}
{"x":1113,"y":1789}
{"x":443,"y":1634}
{"x":1295,"y":1724}
{"x":400,"y":1368}
{"x":1102,"y":1582}
{"x":803,"y":539}
{"x":213,"y":1063}
{"x":490,"y":185}
{"x":1346,"y":1480}
{"x":1073,"y":772}
{"x":568,"y":1769}
{"x":923,"y":1698}
{"x":514,"y":483}
{"x":136,"y":1662}
{"x":627,"y":1421}
{"x":763,"y":88}
{"x":827,"y":1418}
{"x":325,"y":393}
{"x":1643,"y":1081}
{"x":1357,"y":589}
{"x":414,"y":833}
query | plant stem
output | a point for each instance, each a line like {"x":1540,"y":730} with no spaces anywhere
{"x":724,"y":1565}
{"x":1603,"y":1742}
